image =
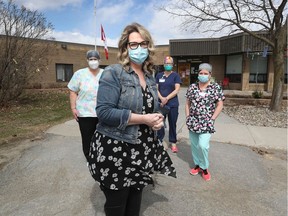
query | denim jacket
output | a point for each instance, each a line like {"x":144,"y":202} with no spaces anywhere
{"x":120,"y":95}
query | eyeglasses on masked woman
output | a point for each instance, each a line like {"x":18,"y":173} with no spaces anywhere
{"x":135,"y":45}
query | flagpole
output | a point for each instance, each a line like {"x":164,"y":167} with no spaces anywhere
{"x":95,"y":4}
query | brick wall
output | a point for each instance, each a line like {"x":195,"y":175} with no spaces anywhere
{"x":75,"y":54}
{"x":218,"y":65}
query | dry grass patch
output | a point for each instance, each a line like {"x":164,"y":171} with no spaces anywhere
{"x":32,"y":113}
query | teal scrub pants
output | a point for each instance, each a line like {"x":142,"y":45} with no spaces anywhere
{"x":200,"y":147}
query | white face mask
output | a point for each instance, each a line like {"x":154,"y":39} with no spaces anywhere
{"x":93,"y":64}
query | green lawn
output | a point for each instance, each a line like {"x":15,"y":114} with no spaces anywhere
{"x":32,"y":113}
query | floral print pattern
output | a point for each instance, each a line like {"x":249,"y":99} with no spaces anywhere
{"x":86,"y":85}
{"x":117,"y":164}
{"x":202,"y":107}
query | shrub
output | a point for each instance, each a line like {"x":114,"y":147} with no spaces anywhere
{"x":257,"y":94}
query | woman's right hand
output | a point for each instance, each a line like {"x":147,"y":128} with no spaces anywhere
{"x":164,"y":101}
{"x":153,"y":119}
{"x":75,"y":113}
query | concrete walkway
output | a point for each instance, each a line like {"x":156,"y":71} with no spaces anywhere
{"x":228,"y":130}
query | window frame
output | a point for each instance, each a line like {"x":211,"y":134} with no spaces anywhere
{"x":261,"y":74}
{"x":67,"y":72}
{"x":233,"y":75}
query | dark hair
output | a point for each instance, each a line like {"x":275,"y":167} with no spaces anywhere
{"x":92,"y":53}
{"x":123,"y":56}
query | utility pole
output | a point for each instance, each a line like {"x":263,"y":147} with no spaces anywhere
{"x":95,"y":5}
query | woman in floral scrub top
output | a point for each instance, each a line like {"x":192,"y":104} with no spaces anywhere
{"x":83,"y":88}
{"x":203,"y":104}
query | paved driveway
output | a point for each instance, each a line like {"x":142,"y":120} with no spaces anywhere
{"x":51,"y":178}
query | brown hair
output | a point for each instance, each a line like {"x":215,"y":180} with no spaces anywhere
{"x":123,"y":56}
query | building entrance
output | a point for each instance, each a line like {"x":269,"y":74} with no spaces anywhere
{"x":184,"y":72}
{"x":194,"y":72}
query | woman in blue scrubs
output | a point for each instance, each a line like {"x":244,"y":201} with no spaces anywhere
{"x":168,"y":83}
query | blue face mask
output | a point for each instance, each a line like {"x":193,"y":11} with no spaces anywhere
{"x":168,"y":67}
{"x":203,"y":78}
{"x":139,"y":55}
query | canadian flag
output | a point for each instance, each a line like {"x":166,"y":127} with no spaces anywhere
{"x":103,"y":38}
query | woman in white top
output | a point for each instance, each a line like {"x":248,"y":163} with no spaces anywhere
{"x":83,"y":88}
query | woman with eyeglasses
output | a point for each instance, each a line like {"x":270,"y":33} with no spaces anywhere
{"x":125,"y":151}
{"x":168,"y":84}
{"x":83,"y":88}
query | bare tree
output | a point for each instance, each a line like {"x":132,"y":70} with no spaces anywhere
{"x":22,"y":50}
{"x":248,"y":16}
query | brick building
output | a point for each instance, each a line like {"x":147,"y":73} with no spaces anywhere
{"x":245,"y":61}
{"x":66,"y":58}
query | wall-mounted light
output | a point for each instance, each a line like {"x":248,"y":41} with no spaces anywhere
{"x":64,"y":46}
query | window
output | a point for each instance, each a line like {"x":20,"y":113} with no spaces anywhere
{"x":64,"y":72}
{"x":257,"y":78}
{"x":234,"y":78}
{"x":258,"y":69}
{"x":234,"y":68}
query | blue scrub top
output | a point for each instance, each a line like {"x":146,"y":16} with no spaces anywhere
{"x":166,"y":85}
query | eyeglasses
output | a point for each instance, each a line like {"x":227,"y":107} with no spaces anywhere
{"x":135,"y":45}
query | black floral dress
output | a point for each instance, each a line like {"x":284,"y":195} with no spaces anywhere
{"x":116,"y":164}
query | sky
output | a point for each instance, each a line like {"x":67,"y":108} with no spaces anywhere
{"x":77,"y":20}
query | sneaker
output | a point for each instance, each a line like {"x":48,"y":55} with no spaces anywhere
{"x":195,"y":170}
{"x":174,"y":149}
{"x":206,"y":175}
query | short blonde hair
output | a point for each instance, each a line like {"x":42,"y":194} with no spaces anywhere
{"x":123,"y":56}
{"x":168,"y":58}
